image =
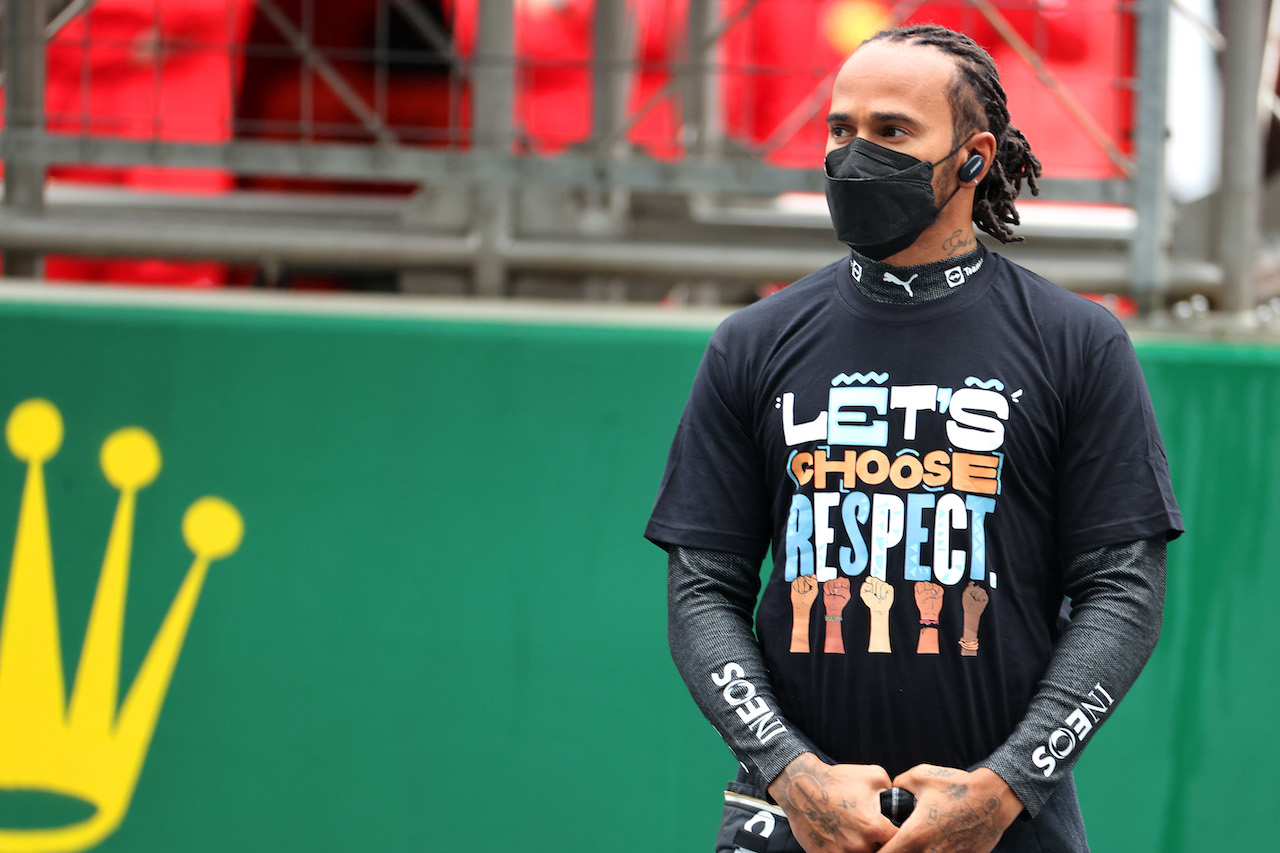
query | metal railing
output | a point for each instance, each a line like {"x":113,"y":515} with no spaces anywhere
{"x":480,"y":206}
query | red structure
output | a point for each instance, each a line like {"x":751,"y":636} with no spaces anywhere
{"x":778,"y":55}
{"x":146,"y":69}
{"x":197,"y":70}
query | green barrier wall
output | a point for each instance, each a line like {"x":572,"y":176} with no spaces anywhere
{"x":443,"y":630}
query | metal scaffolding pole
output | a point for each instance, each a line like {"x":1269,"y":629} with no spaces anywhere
{"x":610,"y":71}
{"x":1149,"y":252}
{"x":493,"y":85}
{"x":1240,"y":197}
{"x":613,"y":55}
{"x":247,"y":234}
{"x":702,"y":89}
{"x":24,"y":122}
{"x":339,"y":247}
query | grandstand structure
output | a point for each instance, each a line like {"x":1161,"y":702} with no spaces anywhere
{"x":612,"y":150}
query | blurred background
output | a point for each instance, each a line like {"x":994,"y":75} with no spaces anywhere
{"x":652,"y":151}
{"x":420,"y":286}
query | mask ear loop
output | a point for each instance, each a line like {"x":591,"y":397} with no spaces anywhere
{"x":949,"y":154}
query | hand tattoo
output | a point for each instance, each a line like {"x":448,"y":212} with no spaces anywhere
{"x":807,"y":792}
{"x":963,"y":822}
{"x":818,"y":808}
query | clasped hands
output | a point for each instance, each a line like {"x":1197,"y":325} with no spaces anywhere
{"x":837,"y":807}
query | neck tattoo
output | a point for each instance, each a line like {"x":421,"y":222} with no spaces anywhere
{"x":958,"y":243}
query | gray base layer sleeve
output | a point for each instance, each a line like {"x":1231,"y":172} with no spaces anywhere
{"x":1117,"y":597}
{"x":711,"y":599}
{"x":1117,"y":602}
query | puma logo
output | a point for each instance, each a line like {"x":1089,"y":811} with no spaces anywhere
{"x":890,"y":277}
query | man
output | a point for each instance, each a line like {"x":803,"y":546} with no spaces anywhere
{"x":940,"y":448}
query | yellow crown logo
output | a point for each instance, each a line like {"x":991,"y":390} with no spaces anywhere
{"x":83,"y":749}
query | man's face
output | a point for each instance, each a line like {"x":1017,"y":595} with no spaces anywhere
{"x":895,"y":95}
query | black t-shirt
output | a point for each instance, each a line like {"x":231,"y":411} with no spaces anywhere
{"x":920,"y":472}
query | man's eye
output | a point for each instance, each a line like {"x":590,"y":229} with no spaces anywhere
{"x":839,"y":132}
{"x":894,"y":132}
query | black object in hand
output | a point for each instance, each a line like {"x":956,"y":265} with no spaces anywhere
{"x":896,"y":804}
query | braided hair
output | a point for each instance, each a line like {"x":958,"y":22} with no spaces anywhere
{"x":978,"y":103}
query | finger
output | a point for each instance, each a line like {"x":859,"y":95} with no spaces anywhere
{"x":918,"y":777}
{"x":909,"y":838}
{"x":878,"y":778}
{"x":880,"y":832}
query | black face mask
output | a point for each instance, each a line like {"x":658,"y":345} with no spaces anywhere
{"x":881,"y":200}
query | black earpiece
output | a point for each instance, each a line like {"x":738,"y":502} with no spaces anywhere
{"x":972,"y":167}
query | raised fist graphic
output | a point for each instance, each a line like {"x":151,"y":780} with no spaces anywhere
{"x":804,"y":591}
{"x":929,"y":602}
{"x":974,"y":600}
{"x":878,"y":596}
{"x":835,"y":595}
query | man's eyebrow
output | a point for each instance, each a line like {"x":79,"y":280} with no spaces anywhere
{"x":895,"y":118}
{"x":879,"y":117}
